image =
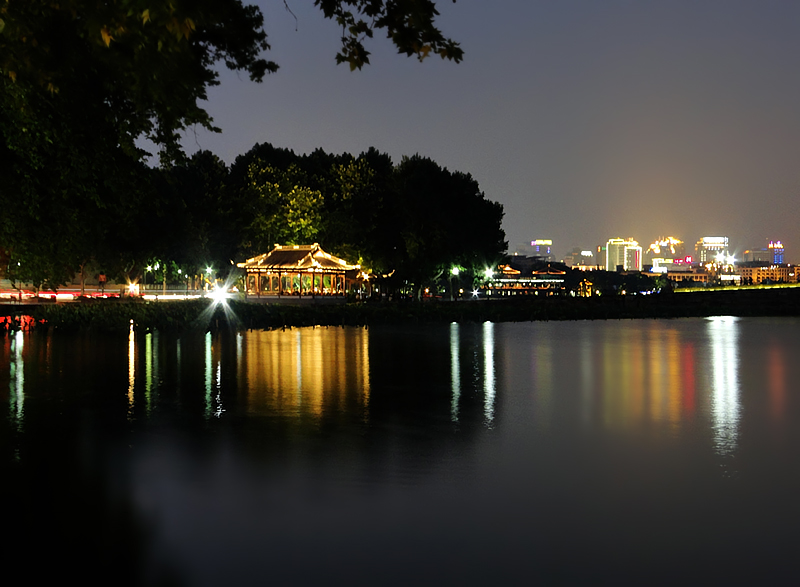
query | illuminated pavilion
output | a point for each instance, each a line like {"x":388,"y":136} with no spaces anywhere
{"x":300,"y":270}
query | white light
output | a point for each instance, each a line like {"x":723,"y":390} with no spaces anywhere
{"x":455,"y":271}
{"x":489,"y":273}
{"x":218,"y":294}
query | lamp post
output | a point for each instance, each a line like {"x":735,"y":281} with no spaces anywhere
{"x":453,"y":273}
{"x":155,"y":268}
{"x":208,"y":279}
{"x":146,"y":269}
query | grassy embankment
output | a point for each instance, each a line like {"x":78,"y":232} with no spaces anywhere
{"x":116,"y":315}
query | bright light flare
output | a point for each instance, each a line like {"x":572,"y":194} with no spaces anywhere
{"x":218,"y":294}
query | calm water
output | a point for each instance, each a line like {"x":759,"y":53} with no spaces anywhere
{"x":650,"y":452}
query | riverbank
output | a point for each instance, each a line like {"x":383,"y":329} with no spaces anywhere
{"x":204,"y":314}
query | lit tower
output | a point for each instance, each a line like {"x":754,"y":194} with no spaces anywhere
{"x":543,"y":247}
{"x":776,"y":248}
{"x":709,"y":248}
{"x":625,"y":253}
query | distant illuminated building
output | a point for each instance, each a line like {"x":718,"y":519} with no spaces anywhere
{"x":510,"y":281}
{"x":773,"y":254}
{"x":543,"y":247}
{"x":600,"y":255}
{"x":777,"y":252}
{"x":667,"y":247}
{"x":623,"y":253}
{"x":709,"y":247}
{"x":753,"y":274}
{"x":763,"y":256}
{"x":578,"y":257}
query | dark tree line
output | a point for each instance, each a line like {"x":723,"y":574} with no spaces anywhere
{"x":82,"y":80}
{"x":407,"y":222}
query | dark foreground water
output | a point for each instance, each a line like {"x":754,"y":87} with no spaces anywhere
{"x":649,"y":452}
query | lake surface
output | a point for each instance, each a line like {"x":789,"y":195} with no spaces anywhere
{"x":619,"y":452}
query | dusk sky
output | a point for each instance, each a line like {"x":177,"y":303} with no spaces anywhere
{"x":586,"y":119}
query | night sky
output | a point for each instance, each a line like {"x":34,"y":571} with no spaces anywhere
{"x":586,"y":119}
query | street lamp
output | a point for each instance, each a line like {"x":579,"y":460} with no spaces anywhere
{"x":453,"y":273}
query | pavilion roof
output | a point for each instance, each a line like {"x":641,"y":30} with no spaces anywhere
{"x":297,"y":258}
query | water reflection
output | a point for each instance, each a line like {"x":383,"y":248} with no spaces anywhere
{"x":488,"y":372}
{"x":647,"y":374}
{"x":17,"y":383}
{"x":482,"y":361}
{"x":776,"y":377}
{"x":455,"y":370}
{"x":307,"y":371}
{"x":213,"y":380}
{"x":131,"y":369}
{"x":723,"y":334}
{"x":602,"y":433}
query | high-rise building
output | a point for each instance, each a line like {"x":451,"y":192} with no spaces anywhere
{"x":667,"y":247}
{"x":776,"y":248}
{"x":543,"y":247}
{"x":623,"y":253}
{"x":763,"y":256}
{"x":709,"y":247}
{"x":600,"y":256}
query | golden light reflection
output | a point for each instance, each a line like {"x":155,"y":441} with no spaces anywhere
{"x":308,"y":370}
{"x":776,"y":377}
{"x":688,"y":378}
{"x":647,"y":375}
{"x":131,"y":369}
{"x":151,"y":375}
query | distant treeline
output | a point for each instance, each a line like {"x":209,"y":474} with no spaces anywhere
{"x":409,"y":220}
{"x":119,"y":315}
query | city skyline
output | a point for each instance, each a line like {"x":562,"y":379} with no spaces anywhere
{"x":689,"y":248}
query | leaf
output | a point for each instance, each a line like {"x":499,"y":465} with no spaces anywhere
{"x":12,"y":75}
{"x":146,"y":16}
{"x":104,"y":32}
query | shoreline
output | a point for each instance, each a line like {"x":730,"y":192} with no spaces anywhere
{"x":204,"y":314}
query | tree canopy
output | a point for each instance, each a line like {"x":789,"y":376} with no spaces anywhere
{"x":414,"y":220}
{"x":82,"y":80}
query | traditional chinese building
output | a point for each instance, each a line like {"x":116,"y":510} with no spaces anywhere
{"x":509,"y":281}
{"x":300,"y":270}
